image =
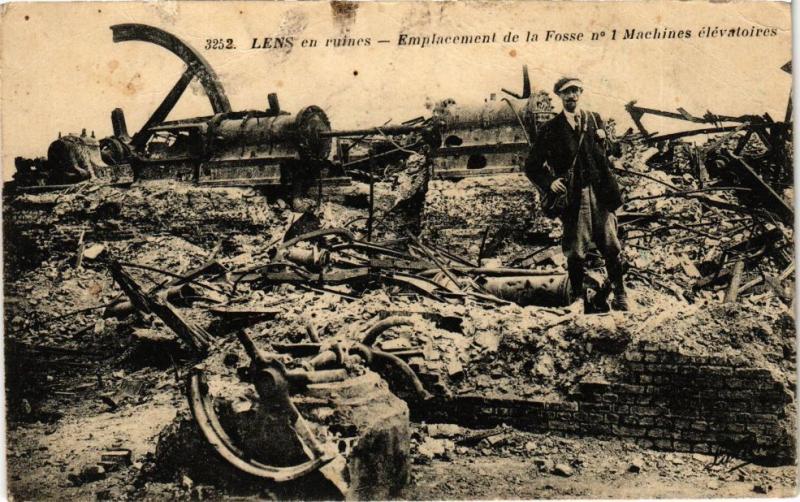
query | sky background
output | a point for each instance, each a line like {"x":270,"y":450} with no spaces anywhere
{"x":62,"y":72}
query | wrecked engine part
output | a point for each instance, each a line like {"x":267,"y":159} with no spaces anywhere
{"x":530,"y":290}
{"x":766,"y":168}
{"x":491,"y":138}
{"x":71,"y":158}
{"x":729,"y":166}
{"x":270,"y":146}
{"x":272,"y":383}
{"x":364,"y":447}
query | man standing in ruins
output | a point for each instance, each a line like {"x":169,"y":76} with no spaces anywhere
{"x":569,"y":164}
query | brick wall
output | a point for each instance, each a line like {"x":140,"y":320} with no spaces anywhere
{"x":662,"y":399}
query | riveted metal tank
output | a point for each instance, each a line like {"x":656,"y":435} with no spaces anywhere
{"x":494,"y":134}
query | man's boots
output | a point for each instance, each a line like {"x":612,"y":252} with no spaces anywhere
{"x":576,"y":273}
{"x":620,"y":301}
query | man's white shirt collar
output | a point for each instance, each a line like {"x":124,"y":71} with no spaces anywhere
{"x":571,"y":117}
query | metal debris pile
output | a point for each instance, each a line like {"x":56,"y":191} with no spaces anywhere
{"x":700,"y":237}
{"x":313,"y":286}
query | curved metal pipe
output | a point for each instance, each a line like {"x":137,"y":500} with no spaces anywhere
{"x":374,"y":331}
{"x":374,"y":358}
{"x":194,"y":60}
{"x":203,"y":411}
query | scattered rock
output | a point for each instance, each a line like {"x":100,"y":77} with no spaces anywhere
{"x":99,"y":326}
{"x":497,"y":440}
{"x":241,"y":405}
{"x":488,"y":341}
{"x":762,"y":488}
{"x":603,"y":333}
{"x":544,"y":366}
{"x":93,"y":251}
{"x":433,"y":448}
{"x":563,"y":470}
{"x":120,"y":457}
{"x":108,"y":401}
{"x":676,"y":460}
{"x":395,"y":344}
{"x":112,"y":493}
{"x":186,"y":482}
{"x":87,"y":474}
{"x":455,"y":369}
{"x":636,"y":465}
{"x":445,"y":430}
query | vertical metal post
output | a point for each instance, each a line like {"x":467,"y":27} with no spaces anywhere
{"x":483,"y":244}
{"x":736,"y":280}
{"x":371,"y":196}
{"x":319,"y":187}
{"x":81,"y":248}
{"x":700,"y":166}
{"x":788,"y":117}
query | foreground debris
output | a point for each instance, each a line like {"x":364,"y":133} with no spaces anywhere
{"x":464,"y":351}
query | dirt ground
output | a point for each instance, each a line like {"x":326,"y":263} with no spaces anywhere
{"x":519,"y":466}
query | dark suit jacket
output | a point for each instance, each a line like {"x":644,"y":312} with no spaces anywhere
{"x":556,"y":147}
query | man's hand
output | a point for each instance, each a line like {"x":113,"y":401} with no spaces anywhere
{"x":558,"y":186}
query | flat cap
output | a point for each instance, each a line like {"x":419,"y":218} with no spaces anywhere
{"x":566,"y":83}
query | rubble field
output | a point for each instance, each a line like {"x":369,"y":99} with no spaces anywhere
{"x":115,"y":296}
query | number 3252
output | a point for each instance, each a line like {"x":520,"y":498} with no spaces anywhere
{"x":219,"y":44}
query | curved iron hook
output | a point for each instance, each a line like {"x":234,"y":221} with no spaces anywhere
{"x":203,"y":411}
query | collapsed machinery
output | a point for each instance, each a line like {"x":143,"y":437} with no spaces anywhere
{"x":493,"y":137}
{"x":275,"y":148}
{"x":753,"y":151}
{"x":269,"y":147}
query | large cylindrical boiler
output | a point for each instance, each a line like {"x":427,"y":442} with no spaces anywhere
{"x":218,"y":147}
{"x":277,"y":137}
{"x":496,"y":114}
{"x":493,"y":134}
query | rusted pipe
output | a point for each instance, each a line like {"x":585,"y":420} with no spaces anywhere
{"x":543,"y":290}
{"x":313,"y":258}
{"x":302,"y":377}
{"x":202,"y":407}
{"x":376,"y":329}
{"x":502,"y":271}
{"x":341,"y":232}
{"x":377,"y":358}
{"x":313,"y":335}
